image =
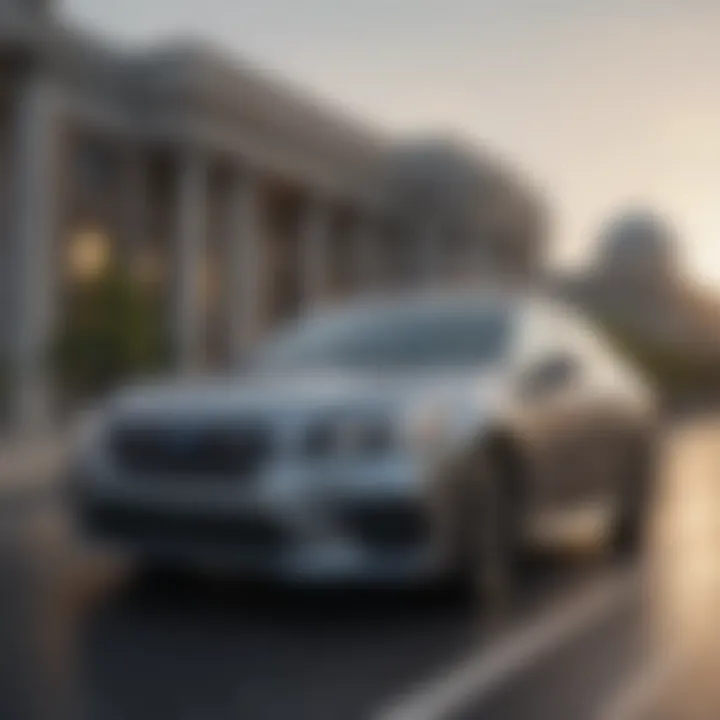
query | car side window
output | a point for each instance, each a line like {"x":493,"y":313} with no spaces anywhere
{"x":552,"y":361}
{"x":604,"y":372}
{"x":596,"y":355}
{"x":611,"y":372}
{"x":550,"y":375}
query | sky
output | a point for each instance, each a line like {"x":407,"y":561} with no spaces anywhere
{"x":607,"y":104}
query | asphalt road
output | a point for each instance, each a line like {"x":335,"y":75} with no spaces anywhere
{"x":87,"y":636}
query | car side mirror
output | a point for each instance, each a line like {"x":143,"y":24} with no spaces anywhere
{"x":549,"y":376}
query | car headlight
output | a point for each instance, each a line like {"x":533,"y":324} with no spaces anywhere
{"x":348,"y":435}
{"x":420,"y":431}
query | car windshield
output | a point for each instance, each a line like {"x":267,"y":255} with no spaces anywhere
{"x":393,"y":338}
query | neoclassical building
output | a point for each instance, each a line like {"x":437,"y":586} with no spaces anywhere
{"x":241,"y":200}
{"x":640,"y":283}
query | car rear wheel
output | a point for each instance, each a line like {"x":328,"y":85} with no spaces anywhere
{"x":635,"y":503}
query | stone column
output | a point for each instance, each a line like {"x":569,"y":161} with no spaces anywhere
{"x":315,"y":239}
{"x":33,"y":233}
{"x":135,"y":210}
{"x":246,"y":274}
{"x":429,"y":256}
{"x":367,"y":256}
{"x":479,"y":258}
{"x":190,"y":241}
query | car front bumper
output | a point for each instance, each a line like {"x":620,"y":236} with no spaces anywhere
{"x":379,"y":532}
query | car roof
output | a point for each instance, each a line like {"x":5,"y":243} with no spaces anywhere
{"x":518,"y":301}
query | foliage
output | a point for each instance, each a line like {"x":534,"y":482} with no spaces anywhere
{"x":678,"y":370}
{"x":112,"y":331}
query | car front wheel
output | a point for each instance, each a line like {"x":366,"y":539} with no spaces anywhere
{"x":491,"y":534}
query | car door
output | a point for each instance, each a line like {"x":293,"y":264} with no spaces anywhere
{"x":551,"y":415}
{"x":557,"y":386}
{"x":587,"y":462}
{"x":543,"y":417}
{"x":614,"y":418}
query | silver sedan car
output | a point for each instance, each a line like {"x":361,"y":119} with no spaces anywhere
{"x":414,"y":438}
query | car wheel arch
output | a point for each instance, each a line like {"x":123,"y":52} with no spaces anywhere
{"x":495,"y":455}
{"x":495,"y":465}
{"x":503,"y":450}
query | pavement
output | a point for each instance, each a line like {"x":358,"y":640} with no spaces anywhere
{"x":32,"y":461}
{"x":586,"y":638}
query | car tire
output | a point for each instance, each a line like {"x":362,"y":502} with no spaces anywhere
{"x":636,"y":495}
{"x":492,"y":557}
{"x":156,"y":573}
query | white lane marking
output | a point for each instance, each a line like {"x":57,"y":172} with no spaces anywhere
{"x":477,"y":676}
{"x":637,"y":699}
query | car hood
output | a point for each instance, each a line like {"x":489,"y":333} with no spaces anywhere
{"x":302,"y":393}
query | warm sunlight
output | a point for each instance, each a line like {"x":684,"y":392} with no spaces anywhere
{"x":88,"y":255}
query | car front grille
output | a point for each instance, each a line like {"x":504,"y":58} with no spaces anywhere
{"x":151,"y":526}
{"x":389,"y":526}
{"x":200,"y":450}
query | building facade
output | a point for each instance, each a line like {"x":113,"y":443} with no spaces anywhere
{"x":241,"y":200}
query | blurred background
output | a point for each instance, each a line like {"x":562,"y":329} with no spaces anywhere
{"x":166,"y":203}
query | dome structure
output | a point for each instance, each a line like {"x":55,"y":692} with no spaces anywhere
{"x":440,"y":178}
{"x":639,"y":243}
{"x":467,"y":199}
